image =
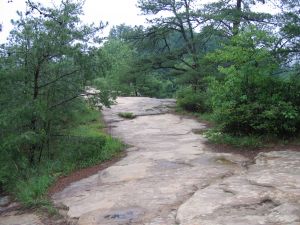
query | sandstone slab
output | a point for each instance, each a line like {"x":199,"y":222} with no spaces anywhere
{"x":171,"y":177}
{"x":23,"y":219}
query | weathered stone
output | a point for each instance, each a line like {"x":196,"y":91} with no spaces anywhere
{"x":170,"y":176}
{"x":4,"y":201}
{"x":117,"y":216}
{"x":23,"y":219}
{"x":269,"y":193}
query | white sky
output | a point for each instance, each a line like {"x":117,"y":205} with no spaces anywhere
{"x":113,"y":11}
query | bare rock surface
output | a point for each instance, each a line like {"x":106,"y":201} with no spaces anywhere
{"x":268,"y":193}
{"x":14,"y":218}
{"x":170,"y":176}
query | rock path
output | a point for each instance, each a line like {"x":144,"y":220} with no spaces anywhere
{"x":171,"y":177}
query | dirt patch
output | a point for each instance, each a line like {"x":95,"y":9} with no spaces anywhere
{"x":65,"y":181}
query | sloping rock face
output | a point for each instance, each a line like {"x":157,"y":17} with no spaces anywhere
{"x":268,"y":193}
{"x":170,"y":177}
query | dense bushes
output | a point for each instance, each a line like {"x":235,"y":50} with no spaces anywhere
{"x":191,"y":100}
{"x":251,"y":100}
{"x":44,"y":68}
{"x":265,"y":105}
{"x":248,"y":99}
{"x":80,"y":143}
{"x":262,"y":105}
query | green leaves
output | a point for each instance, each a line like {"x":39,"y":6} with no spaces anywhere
{"x":191,"y":100}
{"x":44,"y":70}
{"x":250,"y":99}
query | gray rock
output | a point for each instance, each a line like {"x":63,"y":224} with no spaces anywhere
{"x":23,"y":219}
{"x":269,"y":193}
{"x":170,"y":177}
{"x":4,"y":201}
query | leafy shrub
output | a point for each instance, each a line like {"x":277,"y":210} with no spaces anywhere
{"x":192,"y":100}
{"x":153,"y":86}
{"x":82,"y":144}
{"x":266,"y":105}
{"x":250,"y":100}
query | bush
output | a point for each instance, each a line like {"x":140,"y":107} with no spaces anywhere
{"x":250,"y":99}
{"x":264,"y":105}
{"x":193,"y":101}
{"x":81,"y":144}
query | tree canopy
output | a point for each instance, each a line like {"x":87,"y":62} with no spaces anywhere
{"x":239,"y":66}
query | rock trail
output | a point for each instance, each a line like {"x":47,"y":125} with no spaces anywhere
{"x":171,"y":177}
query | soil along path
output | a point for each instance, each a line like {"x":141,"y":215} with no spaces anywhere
{"x":170,"y":176}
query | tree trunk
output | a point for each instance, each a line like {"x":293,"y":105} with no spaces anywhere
{"x":237,"y":17}
{"x":33,"y":126}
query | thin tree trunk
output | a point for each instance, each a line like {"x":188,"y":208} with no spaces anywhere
{"x":237,"y":17}
{"x":33,"y":127}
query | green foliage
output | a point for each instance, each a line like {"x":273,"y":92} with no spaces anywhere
{"x":120,"y":57}
{"x":218,"y":137}
{"x":31,"y":191}
{"x":82,"y":144}
{"x":207,"y":116}
{"x":127,"y":115}
{"x":269,"y":109}
{"x":46,"y":130}
{"x":124,"y":75}
{"x":290,"y":31}
{"x":250,"y":99}
{"x":152,"y":85}
{"x":193,"y":101}
{"x":45,"y":67}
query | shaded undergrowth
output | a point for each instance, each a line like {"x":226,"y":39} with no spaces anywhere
{"x":82,"y":143}
{"x":215,"y":135}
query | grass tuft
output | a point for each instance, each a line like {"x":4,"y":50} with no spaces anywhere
{"x":217,"y":137}
{"x":127,"y":115}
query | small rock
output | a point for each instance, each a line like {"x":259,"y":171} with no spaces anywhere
{"x":4,"y":201}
